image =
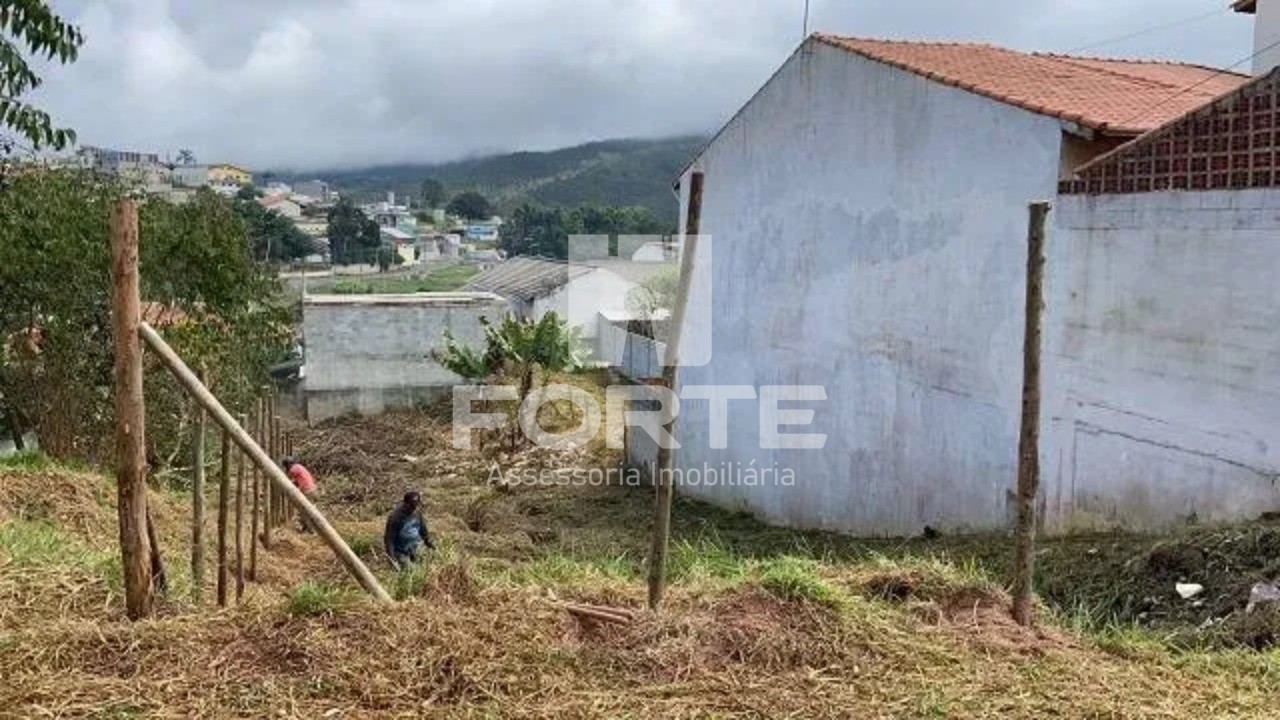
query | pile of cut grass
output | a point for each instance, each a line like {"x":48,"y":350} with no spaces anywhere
{"x":793,"y":638}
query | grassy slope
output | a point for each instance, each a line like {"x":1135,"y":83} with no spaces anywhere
{"x":445,"y":279}
{"x":760,"y":622}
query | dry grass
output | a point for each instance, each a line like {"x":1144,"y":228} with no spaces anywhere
{"x":759,"y":622}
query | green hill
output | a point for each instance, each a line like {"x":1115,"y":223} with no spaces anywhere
{"x":609,"y":172}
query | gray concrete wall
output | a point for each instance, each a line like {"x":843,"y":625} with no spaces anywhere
{"x":1162,"y":360}
{"x":368,"y":353}
{"x":868,"y":231}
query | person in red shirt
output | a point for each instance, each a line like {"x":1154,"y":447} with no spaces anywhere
{"x":304,"y":481}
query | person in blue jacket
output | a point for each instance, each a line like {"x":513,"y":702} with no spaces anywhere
{"x":406,"y":531}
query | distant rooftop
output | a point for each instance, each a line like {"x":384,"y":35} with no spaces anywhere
{"x":525,"y":278}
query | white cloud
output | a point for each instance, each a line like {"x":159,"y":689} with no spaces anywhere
{"x":309,"y":83}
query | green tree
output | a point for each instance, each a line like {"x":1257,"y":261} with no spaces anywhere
{"x":30,"y":24}
{"x":535,"y":230}
{"x":432,"y":193}
{"x":353,"y":237}
{"x":272,"y":236}
{"x":470,"y":205}
{"x":200,"y":288}
{"x":516,"y":348}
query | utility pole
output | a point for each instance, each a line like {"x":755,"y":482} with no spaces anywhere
{"x":806,"y":20}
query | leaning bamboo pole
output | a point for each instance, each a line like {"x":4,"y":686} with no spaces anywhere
{"x":275,"y":475}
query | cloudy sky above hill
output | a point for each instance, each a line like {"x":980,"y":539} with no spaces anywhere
{"x":325,"y":83}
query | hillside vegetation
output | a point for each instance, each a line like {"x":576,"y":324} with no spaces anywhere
{"x":610,"y":172}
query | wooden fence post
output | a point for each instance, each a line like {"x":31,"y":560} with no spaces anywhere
{"x":224,"y":493}
{"x":240,"y":483}
{"x":1029,"y":435}
{"x":257,"y":499}
{"x":278,"y":444}
{"x":275,"y":475}
{"x":269,"y":492}
{"x":197,"y":498}
{"x":288,"y":450}
{"x":662,"y":481}
{"x":130,"y":443}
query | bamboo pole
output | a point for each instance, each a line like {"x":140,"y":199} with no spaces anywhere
{"x":197,"y":499}
{"x":275,"y":475}
{"x":224,"y":495}
{"x":1029,"y":435}
{"x":663,"y":492}
{"x":130,"y":443}
{"x":240,"y":483}
{"x":257,"y":501}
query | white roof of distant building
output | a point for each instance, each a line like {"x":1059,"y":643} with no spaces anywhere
{"x":525,"y":278}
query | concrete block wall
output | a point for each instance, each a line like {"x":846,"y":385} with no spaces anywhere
{"x":369,"y":353}
{"x":1162,"y":360}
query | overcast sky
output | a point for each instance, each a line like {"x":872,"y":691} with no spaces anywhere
{"x":324,"y":83}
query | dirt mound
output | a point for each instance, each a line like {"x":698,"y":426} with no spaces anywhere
{"x":78,"y":501}
{"x":976,"y":612}
{"x":747,"y":628}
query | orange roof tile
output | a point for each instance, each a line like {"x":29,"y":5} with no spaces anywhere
{"x":1119,"y":97}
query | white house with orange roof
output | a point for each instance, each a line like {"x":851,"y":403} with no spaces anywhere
{"x":864,"y":219}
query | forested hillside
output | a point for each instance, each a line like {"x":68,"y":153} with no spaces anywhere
{"x":610,"y":172}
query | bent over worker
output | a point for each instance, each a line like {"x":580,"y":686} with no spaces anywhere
{"x":306,"y":484}
{"x":406,"y":530}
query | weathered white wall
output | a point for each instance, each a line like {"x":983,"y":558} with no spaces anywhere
{"x":868,"y":232}
{"x":635,"y":356}
{"x":1162,"y":359}
{"x":368,"y":353}
{"x":1266,"y":34}
{"x":582,"y":299}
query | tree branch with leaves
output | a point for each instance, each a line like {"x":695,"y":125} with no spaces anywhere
{"x":30,"y":27}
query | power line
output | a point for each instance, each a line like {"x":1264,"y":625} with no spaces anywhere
{"x":1153,"y":29}
{"x":1202,"y":81}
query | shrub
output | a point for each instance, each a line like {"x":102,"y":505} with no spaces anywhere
{"x":311,"y":599}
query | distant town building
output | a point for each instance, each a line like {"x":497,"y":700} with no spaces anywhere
{"x":228,"y":174}
{"x":190,"y":176}
{"x":145,"y":169}
{"x":317,"y":190}
{"x":222,"y":175}
{"x":281,"y":204}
